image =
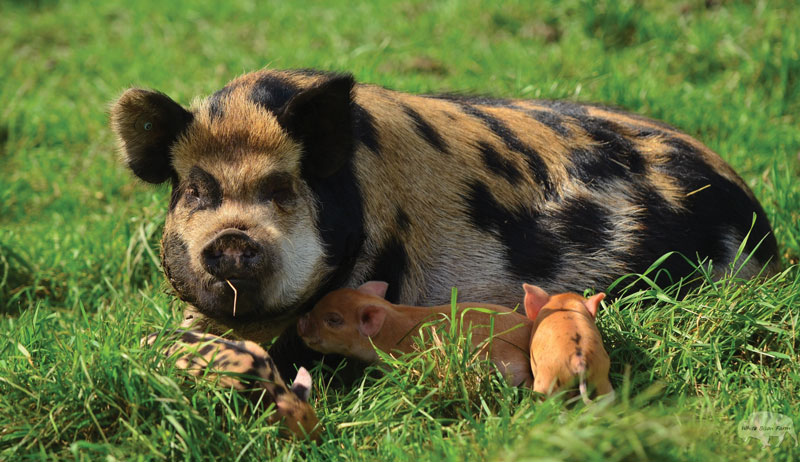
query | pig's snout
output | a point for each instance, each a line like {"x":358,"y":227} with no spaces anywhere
{"x":304,"y":326}
{"x":232,"y":254}
{"x":308,"y":331}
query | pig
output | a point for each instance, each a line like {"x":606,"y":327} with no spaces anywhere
{"x":349,"y":321}
{"x":566,"y":346}
{"x":288,"y":184}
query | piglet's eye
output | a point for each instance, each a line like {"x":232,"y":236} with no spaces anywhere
{"x":333,"y":320}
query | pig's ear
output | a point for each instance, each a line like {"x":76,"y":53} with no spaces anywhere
{"x":593,"y":303}
{"x":370,"y":320}
{"x":535,"y":299}
{"x":376,"y":288}
{"x":147,"y":124}
{"x":302,"y":384}
{"x":321,"y":118}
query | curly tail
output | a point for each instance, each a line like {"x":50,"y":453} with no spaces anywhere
{"x":579,"y":368}
{"x":582,"y":388}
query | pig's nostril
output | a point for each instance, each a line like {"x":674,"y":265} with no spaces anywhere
{"x":232,"y":254}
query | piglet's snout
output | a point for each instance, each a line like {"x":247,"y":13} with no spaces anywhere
{"x":304,"y":326}
{"x":232,"y":254}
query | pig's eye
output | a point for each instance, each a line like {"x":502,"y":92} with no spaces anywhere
{"x":333,"y":320}
{"x":193,"y":196}
{"x":283,"y":196}
{"x":277,"y":188}
{"x":196,"y":197}
{"x":202,"y":190}
{"x":192,"y":192}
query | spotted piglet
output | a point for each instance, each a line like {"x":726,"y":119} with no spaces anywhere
{"x":566,"y":346}
{"x":247,"y":368}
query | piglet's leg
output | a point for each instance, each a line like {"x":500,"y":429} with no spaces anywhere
{"x":604,"y":388}
{"x":543,"y":384}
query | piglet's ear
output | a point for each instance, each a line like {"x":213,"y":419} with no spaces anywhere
{"x":147,"y":124}
{"x":370,"y":320}
{"x":593,"y":303}
{"x":375,"y":288}
{"x":302,"y":384}
{"x":535,"y":299}
{"x":322,"y":119}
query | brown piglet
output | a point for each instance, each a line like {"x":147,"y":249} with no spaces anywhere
{"x":566,"y":346}
{"x":344,"y":321}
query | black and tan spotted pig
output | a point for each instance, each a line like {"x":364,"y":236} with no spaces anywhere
{"x":288,"y":184}
{"x":247,"y":368}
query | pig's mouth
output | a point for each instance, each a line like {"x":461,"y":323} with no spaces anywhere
{"x":216,"y":299}
{"x":235,"y":299}
{"x":310,"y":342}
{"x":242,"y":286}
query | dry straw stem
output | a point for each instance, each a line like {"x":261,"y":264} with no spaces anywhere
{"x":235,"y":296}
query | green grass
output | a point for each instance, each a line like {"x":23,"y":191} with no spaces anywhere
{"x":80,"y":281}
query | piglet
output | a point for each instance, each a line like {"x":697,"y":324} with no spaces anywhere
{"x":245,"y":367}
{"x":344,"y":321}
{"x":565,"y":345}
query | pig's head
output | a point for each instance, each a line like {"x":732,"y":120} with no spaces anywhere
{"x":299,"y":416}
{"x":344,"y":320}
{"x":264,"y":196}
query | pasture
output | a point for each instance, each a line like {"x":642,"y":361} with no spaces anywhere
{"x":80,"y":278}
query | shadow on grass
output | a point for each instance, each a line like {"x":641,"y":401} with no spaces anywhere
{"x":18,"y":280}
{"x":701,"y":335}
{"x":32,"y":4}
